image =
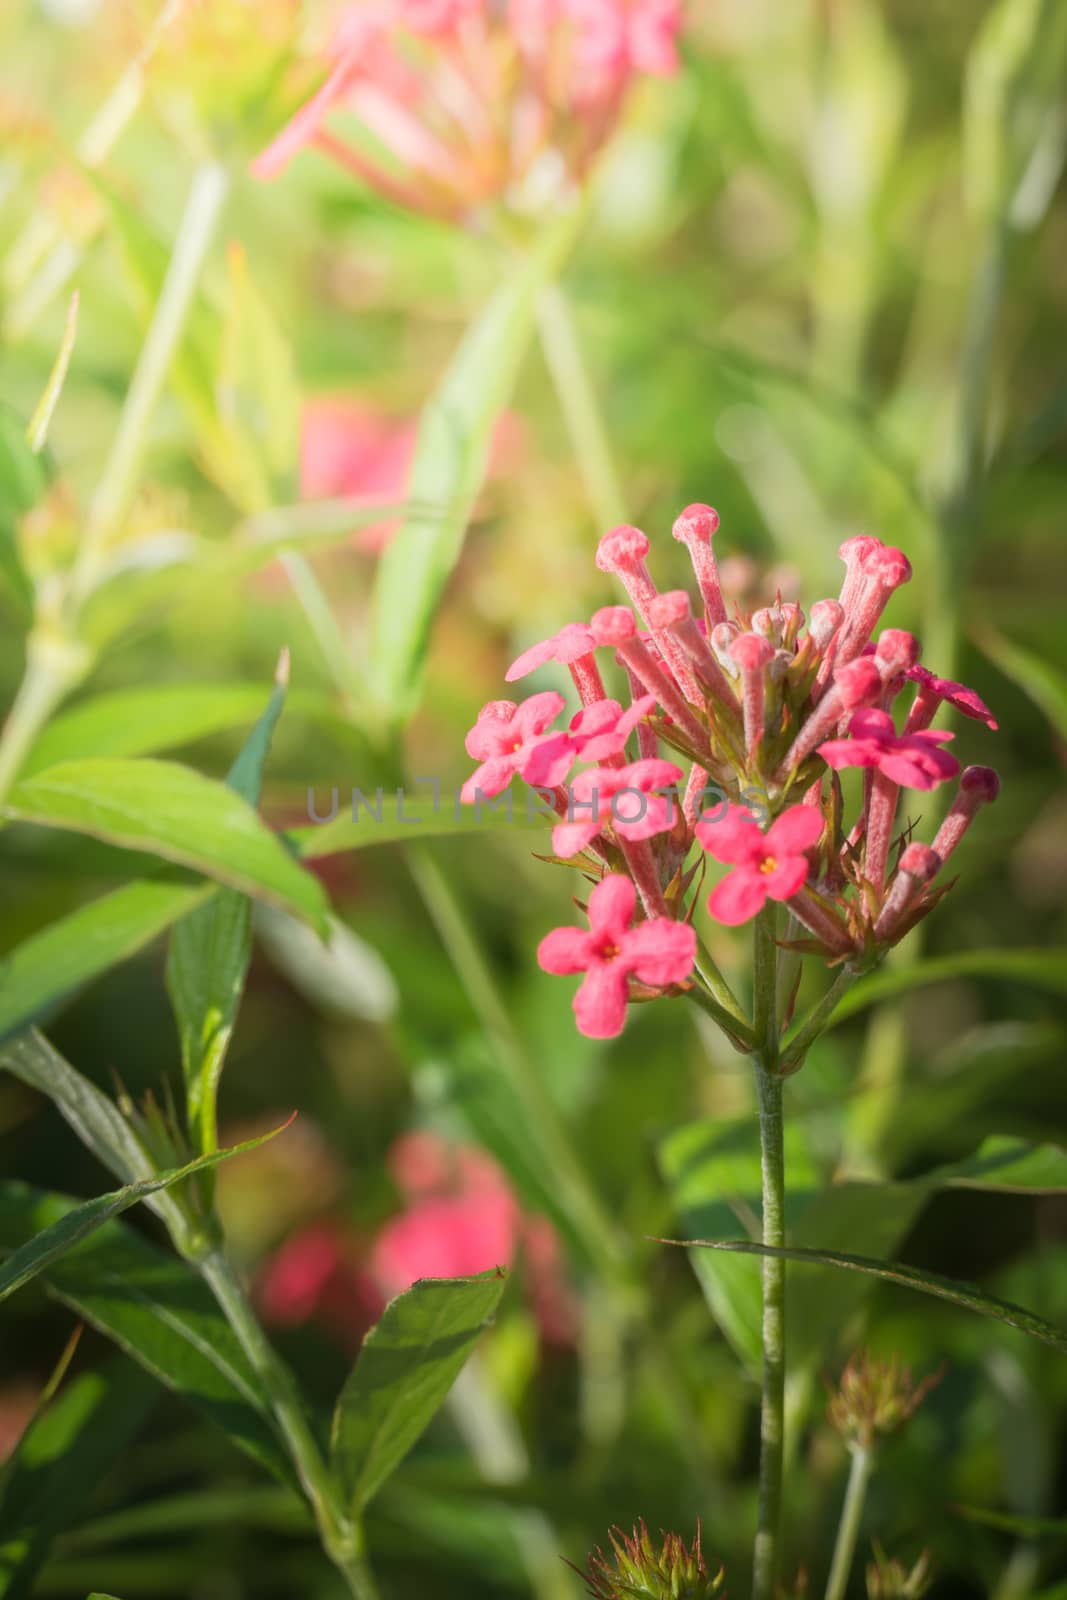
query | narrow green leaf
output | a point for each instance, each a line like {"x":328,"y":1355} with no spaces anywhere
{"x":170,"y":811}
{"x":23,"y":480}
{"x":50,"y":965}
{"x":59,"y":1462}
{"x":400,"y":819}
{"x":62,"y":1235}
{"x":157,"y":1310}
{"x":41,"y":421}
{"x":342,"y":975}
{"x":211,"y":948}
{"x":1009,"y":1166}
{"x":408,"y":1363}
{"x":1045,"y":684}
{"x":713,"y":1173}
{"x":1044,"y":968}
{"x":451,"y":455}
{"x":954,"y":1290}
{"x":1011,"y":1522}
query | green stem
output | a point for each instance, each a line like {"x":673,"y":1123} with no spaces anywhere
{"x":119,"y":478}
{"x":580,"y":406}
{"x":341,"y":1539}
{"x":849,"y":1527}
{"x":805,"y":1034}
{"x":52,"y":668}
{"x":324,"y":626}
{"x":772,"y":1170}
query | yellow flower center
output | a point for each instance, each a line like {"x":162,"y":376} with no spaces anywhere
{"x":768,"y":864}
{"x":608,"y":952}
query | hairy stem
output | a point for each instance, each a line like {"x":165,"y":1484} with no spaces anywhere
{"x":772,"y":1169}
{"x":849,"y":1526}
{"x":341,"y":1539}
{"x":580,"y":407}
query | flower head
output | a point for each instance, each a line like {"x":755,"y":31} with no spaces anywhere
{"x":914,"y":760}
{"x":658,"y":953}
{"x":769,"y":865}
{"x":636,"y":1570}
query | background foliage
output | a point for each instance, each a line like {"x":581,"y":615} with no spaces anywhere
{"x":821,"y":287}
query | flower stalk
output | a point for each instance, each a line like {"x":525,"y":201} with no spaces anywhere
{"x":848,"y":1528}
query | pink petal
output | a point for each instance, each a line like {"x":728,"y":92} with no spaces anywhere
{"x":548,"y":761}
{"x":788,"y":876}
{"x":569,"y":838}
{"x":838,"y":753}
{"x":531,"y":659}
{"x":654,"y":815}
{"x":871,"y":724}
{"x":640,"y":708}
{"x":734,"y":838}
{"x":660,"y":952}
{"x":648,"y":775}
{"x":303,"y":127}
{"x":564,"y":950}
{"x":573,"y":641}
{"x":535,"y":714}
{"x":491,"y":778}
{"x":739,"y":897}
{"x":795,"y":830}
{"x":600,"y":1004}
{"x":611,"y":907}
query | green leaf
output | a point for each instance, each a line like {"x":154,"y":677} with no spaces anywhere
{"x":141,"y":722}
{"x":954,"y":1290}
{"x":713,"y":1173}
{"x":1011,"y":1522}
{"x":50,"y":965}
{"x":41,"y":421}
{"x":1046,"y":686}
{"x":455,"y":435}
{"x":1009,"y":1166}
{"x":170,"y":811}
{"x":23,"y":480}
{"x":59,"y":1462}
{"x":62,"y":1235}
{"x":388,"y":819}
{"x":1044,"y":968}
{"x":408,"y":1363}
{"x":342,"y":975}
{"x":211,"y":948}
{"x":158,"y":1311}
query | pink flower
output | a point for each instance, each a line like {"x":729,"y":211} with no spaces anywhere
{"x":910,"y":759}
{"x":569,"y":644}
{"x":954,"y":694}
{"x":623,"y":796}
{"x":505,"y":738}
{"x":597,"y":733}
{"x":657,"y":953}
{"x":316,"y":1276}
{"x":768,"y":864}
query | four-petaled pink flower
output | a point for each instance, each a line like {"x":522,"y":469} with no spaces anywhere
{"x":768,"y":865}
{"x":954,"y":694}
{"x":596,"y":733}
{"x":657,"y":953}
{"x":624,"y":796}
{"x":571,"y":643}
{"x":913,"y":760}
{"x":505,"y":738}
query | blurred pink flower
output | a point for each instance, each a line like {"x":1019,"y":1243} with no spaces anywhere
{"x":348,"y":451}
{"x":316,"y":1276}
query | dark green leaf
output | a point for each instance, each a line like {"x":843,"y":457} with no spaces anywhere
{"x":170,"y":811}
{"x":1010,"y":1166}
{"x":932,"y":1283}
{"x":1045,"y":684}
{"x":408,"y":1363}
{"x":62,"y":1235}
{"x":59,"y":1462}
{"x":417,"y":815}
{"x":1046,"y":969}
{"x":157,"y":1310}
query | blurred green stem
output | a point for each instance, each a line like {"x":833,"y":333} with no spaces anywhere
{"x":52,"y":668}
{"x":849,"y":1527}
{"x":341,"y":1539}
{"x":772,"y":1167}
{"x":805,"y":1034}
{"x":581,"y":408}
{"x":119,"y":478}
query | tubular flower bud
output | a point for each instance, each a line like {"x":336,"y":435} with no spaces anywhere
{"x":752,"y":654}
{"x":896,"y":652}
{"x":670,"y":613}
{"x":826,"y":617}
{"x":722,"y":637}
{"x":857,"y":684}
{"x":979,"y":786}
{"x":696,"y":528}
{"x":918,"y":865}
{"x":882,"y":570}
{"x":622,"y":552}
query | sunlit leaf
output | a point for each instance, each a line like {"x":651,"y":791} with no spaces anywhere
{"x":169,"y":811}
{"x":1044,"y":968}
{"x":408,"y":1362}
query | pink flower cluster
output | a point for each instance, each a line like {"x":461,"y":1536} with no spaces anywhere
{"x":459,"y":1216}
{"x":460,"y":102}
{"x":764,"y":710}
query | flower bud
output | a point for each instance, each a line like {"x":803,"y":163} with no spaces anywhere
{"x":888,"y":1580}
{"x":875,"y":1398}
{"x":635,"y":1568}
